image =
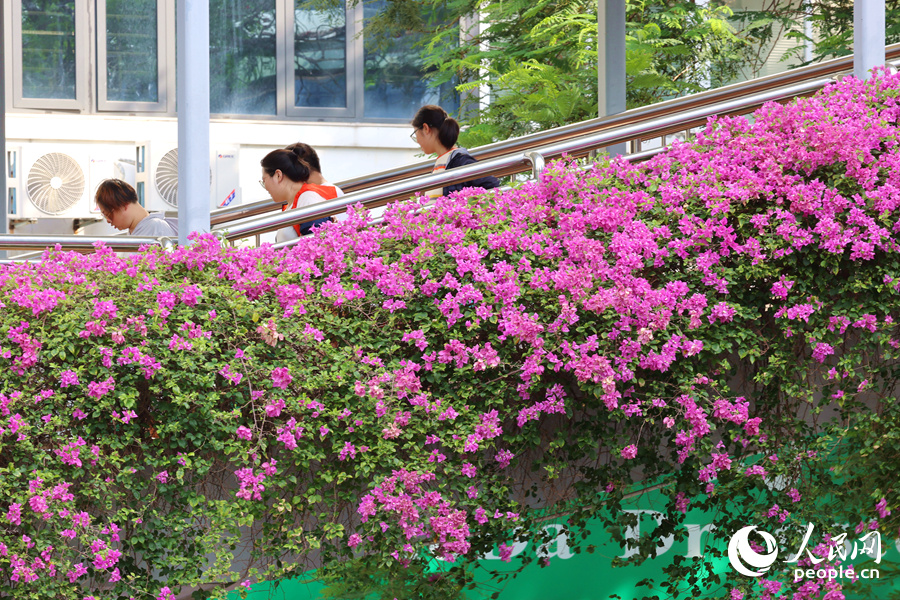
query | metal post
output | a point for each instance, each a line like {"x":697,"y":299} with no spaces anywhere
{"x":192,"y":96}
{"x":868,"y":36}
{"x":808,"y":45}
{"x":611,"y":61}
{"x":4,"y":198}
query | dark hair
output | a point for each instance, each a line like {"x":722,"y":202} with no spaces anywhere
{"x":307,"y":153}
{"x":113,"y":194}
{"x":293,"y":167}
{"x":438,"y":119}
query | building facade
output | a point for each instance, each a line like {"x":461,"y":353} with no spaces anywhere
{"x":91,"y":94}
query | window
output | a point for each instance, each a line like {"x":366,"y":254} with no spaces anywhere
{"x":49,"y":53}
{"x":130,"y":49}
{"x":321,"y":60}
{"x":394,"y":87}
{"x":242,"y":57}
{"x":268,"y":58}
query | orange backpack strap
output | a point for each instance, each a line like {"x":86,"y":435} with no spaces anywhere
{"x":327,"y":192}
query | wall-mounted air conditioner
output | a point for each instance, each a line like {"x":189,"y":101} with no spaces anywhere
{"x":156,"y":176}
{"x":57,"y":181}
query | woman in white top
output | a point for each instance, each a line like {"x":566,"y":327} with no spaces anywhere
{"x":294,"y":179}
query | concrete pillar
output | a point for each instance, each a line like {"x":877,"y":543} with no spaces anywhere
{"x":611,"y":61}
{"x":868,"y":36}
{"x":192,"y":97}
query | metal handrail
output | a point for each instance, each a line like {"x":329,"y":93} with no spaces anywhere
{"x":80,"y":242}
{"x":502,"y":158}
{"x":532,"y":141}
{"x":538,"y":163}
{"x":513,"y":163}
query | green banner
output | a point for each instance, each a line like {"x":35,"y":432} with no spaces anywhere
{"x":591,"y":576}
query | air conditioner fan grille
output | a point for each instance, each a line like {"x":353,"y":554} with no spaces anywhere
{"x":167,"y":177}
{"x":55,"y":183}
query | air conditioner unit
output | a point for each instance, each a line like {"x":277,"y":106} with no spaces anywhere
{"x":156,"y":176}
{"x":57,"y":181}
{"x":124,"y":168}
{"x":98,"y":170}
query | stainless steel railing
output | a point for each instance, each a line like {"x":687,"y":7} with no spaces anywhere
{"x":81,"y":242}
{"x":515,"y":162}
{"x":530,"y":142}
{"x":516,"y":155}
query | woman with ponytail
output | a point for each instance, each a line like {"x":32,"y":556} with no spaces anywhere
{"x":294,"y":179}
{"x":436,"y":133}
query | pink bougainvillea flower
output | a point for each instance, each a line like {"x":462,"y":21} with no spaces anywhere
{"x":822,"y":351}
{"x":504,"y":457}
{"x":165,"y":594}
{"x":67,"y":378}
{"x":99,"y":389}
{"x":281,"y":377}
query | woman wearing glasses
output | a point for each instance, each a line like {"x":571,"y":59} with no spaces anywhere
{"x":293,"y":177}
{"x":436,"y":133}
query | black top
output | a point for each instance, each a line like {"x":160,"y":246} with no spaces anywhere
{"x":460,"y":158}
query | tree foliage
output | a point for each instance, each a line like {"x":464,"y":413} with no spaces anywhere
{"x":537,"y":61}
{"x":531,"y":65}
{"x":831,"y":26}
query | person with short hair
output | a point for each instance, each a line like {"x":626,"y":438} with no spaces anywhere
{"x":436,"y":132}
{"x":118,"y":203}
{"x":294,"y":179}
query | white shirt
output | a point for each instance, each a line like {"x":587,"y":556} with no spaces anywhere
{"x":155,"y":225}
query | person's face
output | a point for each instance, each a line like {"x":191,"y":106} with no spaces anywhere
{"x":426,"y":137}
{"x":116,"y":218}
{"x":272,"y":183}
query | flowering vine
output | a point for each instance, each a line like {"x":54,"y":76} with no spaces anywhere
{"x":377,"y":398}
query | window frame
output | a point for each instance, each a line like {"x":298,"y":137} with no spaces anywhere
{"x":353,"y":66}
{"x":165,"y":23}
{"x":82,"y":64}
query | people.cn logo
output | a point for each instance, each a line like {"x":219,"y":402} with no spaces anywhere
{"x":745,"y":559}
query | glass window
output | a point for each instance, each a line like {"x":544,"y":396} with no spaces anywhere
{"x":394,"y":83}
{"x":242,"y":58}
{"x":320,"y":57}
{"x":48,"y":49}
{"x":132,"y":72}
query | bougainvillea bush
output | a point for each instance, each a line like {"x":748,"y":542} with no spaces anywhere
{"x":385,"y":404}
